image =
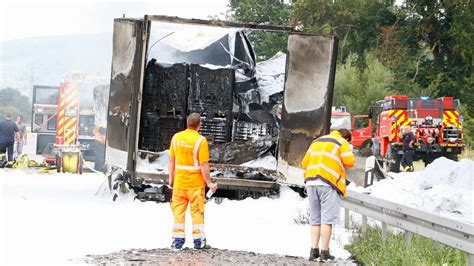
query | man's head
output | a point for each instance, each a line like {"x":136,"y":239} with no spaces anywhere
{"x":8,"y":115}
{"x":194,"y":121}
{"x":345,"y":134}
{"x":19,"y":119}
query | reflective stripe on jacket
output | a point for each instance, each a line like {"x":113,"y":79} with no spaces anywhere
{"x":326,"y":159}
{"x":190,"y":149}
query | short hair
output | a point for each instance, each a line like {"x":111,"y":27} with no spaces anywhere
{"x":345,"y":133}
{"x":194,"y":120}
{"x":8,"y":115}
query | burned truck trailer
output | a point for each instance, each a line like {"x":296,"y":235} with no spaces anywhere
{"x":150,"y":98}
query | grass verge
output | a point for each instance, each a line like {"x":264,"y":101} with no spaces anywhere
{"x":468,"y":153}
{"x":369,"y":249}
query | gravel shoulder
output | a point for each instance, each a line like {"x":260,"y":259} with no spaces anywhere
{"x":198,"y":257}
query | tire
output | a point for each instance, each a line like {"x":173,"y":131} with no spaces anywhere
{"x":80,"y":163}
{"x":452,"y":156}
{"x":58,"y":163}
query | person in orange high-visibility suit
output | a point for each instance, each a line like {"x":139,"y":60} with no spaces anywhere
{"x":189,"y":174}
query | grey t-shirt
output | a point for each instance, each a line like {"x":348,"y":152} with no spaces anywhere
{"x":21,"y":130}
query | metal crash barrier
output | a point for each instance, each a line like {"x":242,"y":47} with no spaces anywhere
{"x":454,"y":233}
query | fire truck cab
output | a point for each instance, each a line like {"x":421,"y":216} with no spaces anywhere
{"x":360,"y":126}
{"x":435,"y":122}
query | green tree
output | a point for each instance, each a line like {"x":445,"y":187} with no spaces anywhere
{"x":11,"y":100}
{"x":358,"y":23}
{"x":357,"y":88}
{"x":437,"y":43}
{"x":431,"y":52}
{"x":273,"y":12}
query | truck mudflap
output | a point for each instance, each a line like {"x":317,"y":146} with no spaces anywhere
{"x":308,"y":92}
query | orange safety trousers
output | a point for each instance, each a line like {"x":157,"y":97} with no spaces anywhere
{"x":179,"y":205}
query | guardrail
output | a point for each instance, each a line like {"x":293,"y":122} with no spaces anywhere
{"x":457,"y":234}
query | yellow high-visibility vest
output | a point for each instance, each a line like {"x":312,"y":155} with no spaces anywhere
{"x":326,"y":159}
{"x":190,"y":149}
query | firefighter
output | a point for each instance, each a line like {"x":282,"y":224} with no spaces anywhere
{"x":189,"y":174}
{"x":408,"y":150}
{"x":325,"y":179}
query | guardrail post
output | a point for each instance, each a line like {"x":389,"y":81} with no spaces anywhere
{"x":346,"y":218}
{"x":408,"y":237}
{"x":469,"y":259}
{"x":364,"y":223}
{"x":384,"y":232}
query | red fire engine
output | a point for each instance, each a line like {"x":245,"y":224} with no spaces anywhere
{"x":435,"y":122}
{"x":68,"y":113}
{"x":360,"y":126}
{"x":64,"y":120}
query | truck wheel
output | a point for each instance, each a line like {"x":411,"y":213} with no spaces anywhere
{"x":80,"y":163}
{"x":428,"y":161}
{"x":451,"y":156}
{"x":58,"y":163}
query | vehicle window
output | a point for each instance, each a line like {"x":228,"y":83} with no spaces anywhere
{"x":361,"y":122}
{"x":46,"y":96}
{"x":38,"y":119}
{"x":51,"y":123}
{"x":338,"y":122}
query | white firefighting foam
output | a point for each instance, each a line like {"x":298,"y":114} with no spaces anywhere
{"x":60,"y":218}
{"x":444,"y":187}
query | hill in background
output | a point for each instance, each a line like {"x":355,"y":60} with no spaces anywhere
{"x":46,"y":60}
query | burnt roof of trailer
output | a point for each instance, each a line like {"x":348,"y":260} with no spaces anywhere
{"x":227,"y":24}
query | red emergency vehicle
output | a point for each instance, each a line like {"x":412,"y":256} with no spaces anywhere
{"x":436,"y":124}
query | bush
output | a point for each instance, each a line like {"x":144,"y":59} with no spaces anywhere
{"x":11,"y":100}
{"x":369,"y":249}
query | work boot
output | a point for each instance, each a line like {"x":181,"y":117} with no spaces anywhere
{"x":177,"y":244}
{"x":325,"y":255}
{"x":411,"y":168}
{"x":201,"y":244}
{"x":313,"y":254}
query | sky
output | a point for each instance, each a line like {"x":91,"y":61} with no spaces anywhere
{"x":24,"y":19}
{"x":27,"y":18}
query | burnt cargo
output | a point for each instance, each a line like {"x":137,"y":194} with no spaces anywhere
{"x":164,"y":105}
{"x":210,"y":95}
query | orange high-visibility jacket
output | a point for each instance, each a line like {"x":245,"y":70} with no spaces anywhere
{"x":190,"y":149}
{"x":326,"y":158}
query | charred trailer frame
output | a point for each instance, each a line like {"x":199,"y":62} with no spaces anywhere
{"x":308,"y":92}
